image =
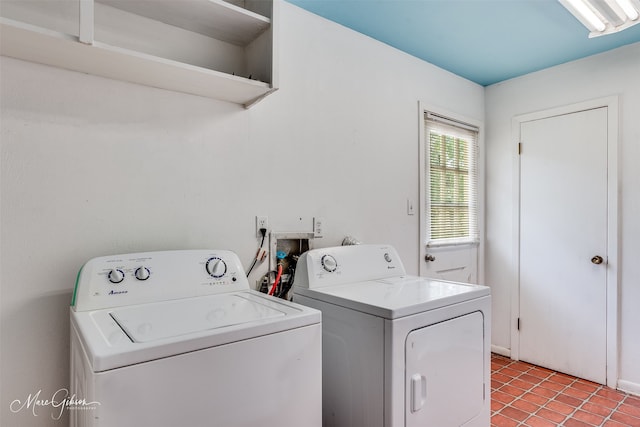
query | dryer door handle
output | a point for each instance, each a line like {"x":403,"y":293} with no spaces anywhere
{"x":418,"y":392}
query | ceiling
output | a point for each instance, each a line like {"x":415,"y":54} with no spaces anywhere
{"x":485,"y":41}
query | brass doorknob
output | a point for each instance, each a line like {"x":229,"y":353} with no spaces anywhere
{"x":597,"y":259}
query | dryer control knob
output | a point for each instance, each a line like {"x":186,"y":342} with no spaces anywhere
{"x":216,"y":267}
{"x":329,"y":263}
{"x":116,"y":276}
{"x":142,"y":273}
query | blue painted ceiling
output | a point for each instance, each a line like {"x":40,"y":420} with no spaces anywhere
{"x":485,"y":41}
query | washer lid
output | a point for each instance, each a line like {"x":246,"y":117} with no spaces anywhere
{"x":169,"y":319}
{"x":397,"y":297}
{"x":113,"y":338}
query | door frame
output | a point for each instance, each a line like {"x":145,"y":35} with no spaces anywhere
{"x":612,"y":276}
{"x":423,"y":108}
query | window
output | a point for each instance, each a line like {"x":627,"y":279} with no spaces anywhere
{"x":451,"y":150}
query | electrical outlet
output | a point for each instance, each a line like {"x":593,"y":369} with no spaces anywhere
{"x":261,"y":222}
{"x":318,"y":227}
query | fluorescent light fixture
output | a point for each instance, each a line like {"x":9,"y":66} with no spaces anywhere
{"x":604,"y":16}
{"x":628,"y":8}
{"x":618,"y":12}
{"x":581,"y":8}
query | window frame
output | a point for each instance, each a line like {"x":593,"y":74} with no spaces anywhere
{"x":475,"y":167}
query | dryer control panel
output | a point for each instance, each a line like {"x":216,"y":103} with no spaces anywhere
{"x":145,"y":277}
{"x":318,"y":268}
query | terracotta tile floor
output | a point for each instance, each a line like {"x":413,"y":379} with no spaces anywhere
{"x":528,"y":395}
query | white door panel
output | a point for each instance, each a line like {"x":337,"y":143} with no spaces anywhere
{"x":563,"y":224}
{"x":455,"y":263}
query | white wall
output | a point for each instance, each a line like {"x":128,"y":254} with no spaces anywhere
{"x":92,"y":166}
{"x":613,"y":73}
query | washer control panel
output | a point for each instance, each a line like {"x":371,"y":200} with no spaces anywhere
{"x":347,"y":264}
{"x":139,"y":278}
{"x":216,"y":267}
{"x":329,"y":263}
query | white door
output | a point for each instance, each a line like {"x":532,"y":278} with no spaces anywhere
{"x":563,"y":243}
{"x":444,"y":383}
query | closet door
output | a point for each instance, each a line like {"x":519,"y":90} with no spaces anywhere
{"x":563,"y":243}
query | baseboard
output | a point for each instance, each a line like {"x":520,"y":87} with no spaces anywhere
{"x":502,"y":351}
{"x":624,"y":386}
{"x":629,"y":387}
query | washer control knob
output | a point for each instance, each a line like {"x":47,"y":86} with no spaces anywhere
{"x":329,"y":263}
{"x":116,"y":276}
{"x":142,"y":273}
{"x":387,"y":257}
{"x":216,"y":267}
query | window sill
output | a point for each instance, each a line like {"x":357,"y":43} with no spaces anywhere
{"x":453,"y":242}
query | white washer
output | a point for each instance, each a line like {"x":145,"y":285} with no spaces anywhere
{"x":177,"y":338}
{"x":398,"y":350}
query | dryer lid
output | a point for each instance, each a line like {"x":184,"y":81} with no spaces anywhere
{"x":396,"y":297}
{"x":169,"y":319}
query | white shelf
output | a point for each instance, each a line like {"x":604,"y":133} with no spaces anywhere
{"x":214,"y":18}
{"x":233,"y":25}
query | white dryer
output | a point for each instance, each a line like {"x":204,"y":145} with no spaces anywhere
{"x":398,"y":350}
{"x":177,"y":338}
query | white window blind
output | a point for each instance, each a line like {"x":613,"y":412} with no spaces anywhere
{"x":451,"y":152}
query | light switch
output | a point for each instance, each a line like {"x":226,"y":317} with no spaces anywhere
{"x":410,"y":207}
